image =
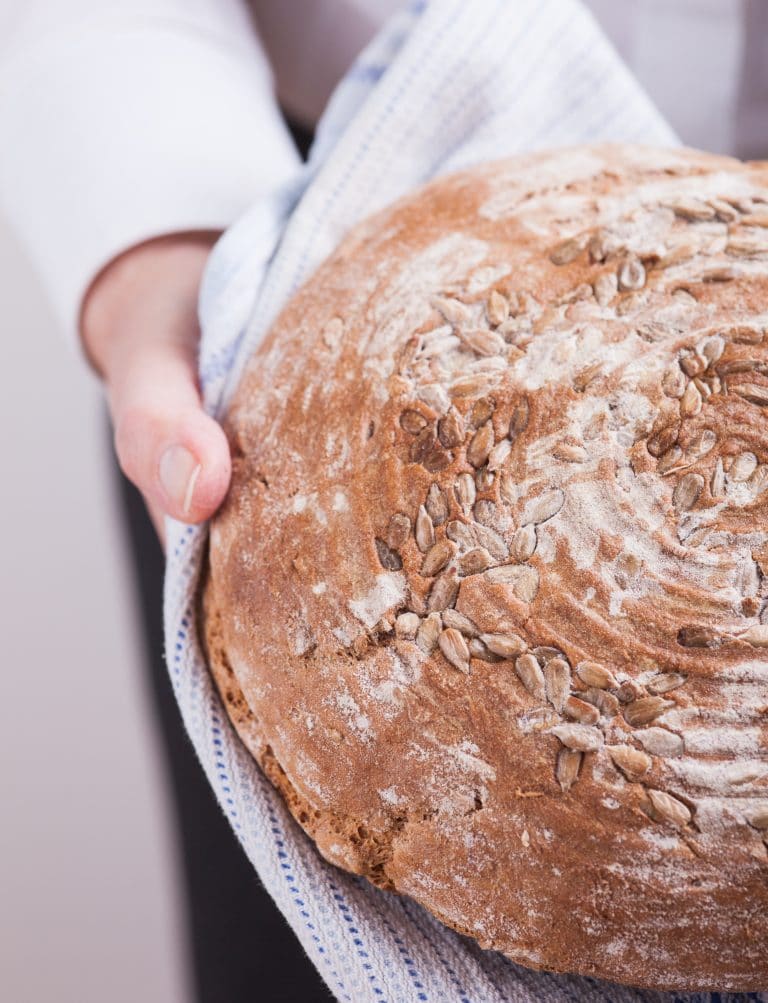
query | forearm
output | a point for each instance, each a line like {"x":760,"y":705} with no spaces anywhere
{"x":123,"y":121}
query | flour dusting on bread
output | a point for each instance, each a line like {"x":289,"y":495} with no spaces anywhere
{"x":488,"y":596}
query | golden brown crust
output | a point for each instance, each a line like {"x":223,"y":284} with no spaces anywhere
{"x":485,"y":598}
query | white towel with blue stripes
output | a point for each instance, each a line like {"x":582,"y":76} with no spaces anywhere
{"x":447,"y":84}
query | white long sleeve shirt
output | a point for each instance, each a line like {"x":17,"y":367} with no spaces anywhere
{"x":121,"y":120}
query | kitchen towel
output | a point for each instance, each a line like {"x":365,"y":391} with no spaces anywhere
{"x":446,"y":84}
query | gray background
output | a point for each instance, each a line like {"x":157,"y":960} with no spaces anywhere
{"x":88,"y":871}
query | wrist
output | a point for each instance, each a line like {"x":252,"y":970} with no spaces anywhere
{"x":153,"y":284}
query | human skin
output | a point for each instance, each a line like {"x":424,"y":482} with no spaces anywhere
{"x":140,"y":335}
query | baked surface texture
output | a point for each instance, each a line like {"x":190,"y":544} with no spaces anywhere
{"x":487,"y":596}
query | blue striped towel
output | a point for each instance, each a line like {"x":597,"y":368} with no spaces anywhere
{"x":448,"y":83}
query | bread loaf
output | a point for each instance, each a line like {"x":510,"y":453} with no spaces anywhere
{"x":487,"y":598}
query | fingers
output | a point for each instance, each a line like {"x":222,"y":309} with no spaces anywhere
{"x":166,"y":444}
{"x":141,"y":335}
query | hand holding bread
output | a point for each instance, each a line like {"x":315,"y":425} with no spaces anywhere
{"x":140,"y":333}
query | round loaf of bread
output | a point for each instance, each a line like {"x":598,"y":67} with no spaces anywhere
{"x":487,"y":598}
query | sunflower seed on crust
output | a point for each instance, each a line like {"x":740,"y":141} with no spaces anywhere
{"x":661,"y":742}
{"x":557,"y":682}
{"x":568,"y":766}
{"x":465,"y":626}
{"x":436,"y":460}
{"x":670,"y":460}
{"x":645,"y":709}
{"x":480,"y":445}
{"x":398,"y":530}
{"x":544,"y":507}
{"x":606,"y":702}
{"x":594,"y":674}
{"x":527,"y":586}
{"x":485,"y":512}
{"x":484,"y":477}
{"x":499,"y":454}
{"x":481,"y":342}
{"x":474,"y":383}
{"x":568,"y":250}
{"x":530,"y":675}
{"x":743,"y":467}
{"x":406,"y":625}
{"x":475,"y":561}
{"x":424,"y":530}
{"x":523,"y":579}
{"x":504,"y":645}
{"x":691,"y":209}
{"x":667,"y":808}
{"x":454,"y":647}
{"x":443,"y":592}
{"x":413,"y":421}
{"x":484,"y":536}
{"x":631,"y":274}
{"x":581,"y":711}
{"x":700,"y":445}
{"x":759,"y":479}
{"x":570,"y":453}
{"x":632,"y":762}
{"x":704,"y":388}
{"x":691,"y":401}
{"x":507,"y":488}
{"x":747,"y":245}
{"x":465,"y":491}
{"x":725,"y":212}
{"x":717,"y":482}
{"x":436,"y":505}
{"x":545,"y":653}
{"x":758,"y":817}
{"x":460,"y":533}
{"x":696,"y":636}
{"x":478,"y":650}
{"x":753,"y":392}
{"x":674,"y":382}
{"x":712,"y":349}
{"x":606,"y":286}
{"x":733,"y":366}
{"x":422,"y":445}
{"x":450,"y":429}
{"x":578,"y":736}
{"x":687,"y":491}
{"x":388,"y":558}
{"x":756,"y":635}
{"x":524,"y":543}
{"x":453,"y":310}
{"x":481,"y":411}
{"x":437,"y":557}
{"x":665,"y":682}
{"x":428,"y":633}
{"x":693,"y":364}
{"x":664,"y":439}
{"x":434,"y":396}
{"x":497,"y":308}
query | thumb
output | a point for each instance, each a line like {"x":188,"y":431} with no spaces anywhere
{"x":141,"y":335}
{"x":166,"y":444}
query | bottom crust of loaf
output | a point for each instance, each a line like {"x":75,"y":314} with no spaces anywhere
{"x":367,"y":853}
